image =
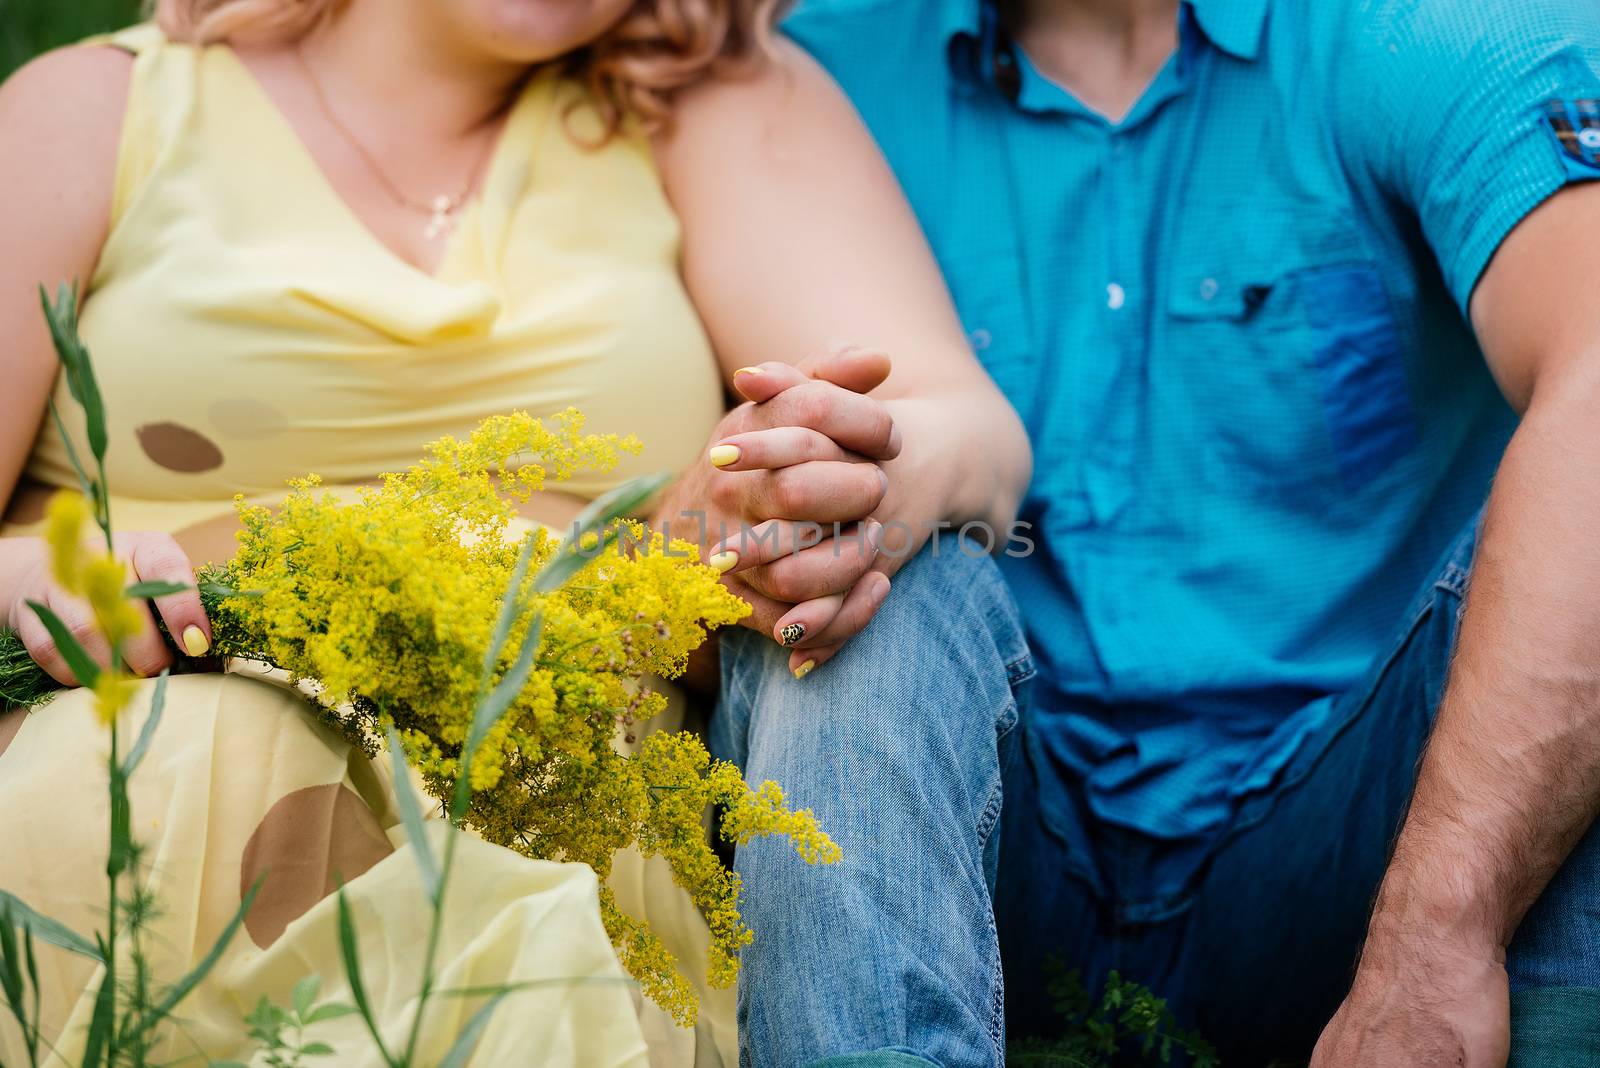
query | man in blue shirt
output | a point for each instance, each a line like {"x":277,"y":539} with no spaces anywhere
{"x":1271,"y":282}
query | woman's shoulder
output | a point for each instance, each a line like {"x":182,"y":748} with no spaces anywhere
{"x":61,"y":123}
{"x":85,"y":83}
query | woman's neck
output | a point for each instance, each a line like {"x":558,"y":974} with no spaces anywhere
{"x":400,"y":56}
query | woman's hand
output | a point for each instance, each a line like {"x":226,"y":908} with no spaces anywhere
{"x":151,"y":557}
{"x":803,"y":456}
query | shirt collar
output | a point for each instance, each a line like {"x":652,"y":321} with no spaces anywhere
{"x":1234,"y":26}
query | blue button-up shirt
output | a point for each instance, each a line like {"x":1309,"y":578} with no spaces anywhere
{"x":1233,"y":324}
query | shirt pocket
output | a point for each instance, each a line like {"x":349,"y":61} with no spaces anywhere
{"x":1283,"y":344}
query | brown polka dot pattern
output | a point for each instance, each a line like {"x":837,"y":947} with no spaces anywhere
{"x":178,"y":448}
{"x":307,"y":844}
{"x":247,"y":418}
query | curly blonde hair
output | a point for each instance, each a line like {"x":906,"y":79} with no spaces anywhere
{"x":633,"y":69}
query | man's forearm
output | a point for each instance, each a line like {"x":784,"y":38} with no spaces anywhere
{"x":1511,"y":777}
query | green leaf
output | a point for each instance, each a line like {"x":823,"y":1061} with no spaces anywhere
{"x":469,"y":1036}
{"x":494,"y":705}
{"x":182,"y":987}
{"x":77,"y":658}
{"x":89,"y":486}
{"x":352,"y":972}
{"x":145,"y":591}
{"x":141,"y":745}
{"x":122,"y":848}
{"x":10,"y":960}
{"x":330,"y":1011}
{"x":510,"y":608}
{"x":411,"y":816}
{"x":305,"y":995}
{"x":601,"y":513}
{"x":317,"y":1049}
{"x":103,"y":1020}
{"x":63,"y":320}
{"x":47,"y":930}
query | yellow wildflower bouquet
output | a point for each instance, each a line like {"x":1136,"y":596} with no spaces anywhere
{"x":384,"y":608}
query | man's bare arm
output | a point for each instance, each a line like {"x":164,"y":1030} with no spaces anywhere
{"x":1511,"y":777}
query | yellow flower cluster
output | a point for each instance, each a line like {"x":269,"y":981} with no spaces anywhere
{"x":386,"y":606}
{"x":101,"y":579}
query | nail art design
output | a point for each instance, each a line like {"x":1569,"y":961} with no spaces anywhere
{"x":804,"y":669}
{"x":792,"y":633}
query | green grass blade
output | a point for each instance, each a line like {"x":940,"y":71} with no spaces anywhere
{"x":88,"y":485}
{"x":77,"y":658}
{"x":63,"y":319}
{"x":104,"y":1018}
{"x":411,"y":816}
{"x":141,"y":745}
{"x":45,"y":929}
{"x":469,"y":1036}
{"x":33,"y":978}
{"x":352,"y":972}
{"x":182,"y":987}
{"x":494,"y":705}
{"x":510,"y":606}
{"x":144,"y":591}
{"x":601,"y":512}
{"x":11,"y":969}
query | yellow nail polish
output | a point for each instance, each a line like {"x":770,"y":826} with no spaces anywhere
{"x":747,"y":371}
{"x":723,"y":455}
{"x":195,"y":642}
{"x":724,"y":561}
{"x":804,"y":669}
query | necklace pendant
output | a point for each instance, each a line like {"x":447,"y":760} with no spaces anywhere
{"x":443,"y":220}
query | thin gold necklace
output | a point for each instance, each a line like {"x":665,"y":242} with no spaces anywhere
{"x":442,"y":209}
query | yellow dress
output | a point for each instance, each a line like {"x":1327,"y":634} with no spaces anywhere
{"x":247,"y":328}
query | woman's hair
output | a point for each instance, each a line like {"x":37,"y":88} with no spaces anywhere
{"x":633,"y":69}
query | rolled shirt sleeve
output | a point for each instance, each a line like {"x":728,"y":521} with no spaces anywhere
{"x":1470,"y":113}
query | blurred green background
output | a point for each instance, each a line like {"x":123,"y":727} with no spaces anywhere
{"x":28,"y":27}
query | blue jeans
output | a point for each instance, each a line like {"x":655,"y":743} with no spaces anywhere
{"x":897,"y":745}
{"x":1258,"y":950}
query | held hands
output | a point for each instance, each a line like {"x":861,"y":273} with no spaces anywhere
{"x":151,"y":557}
{"x":803,"y":455}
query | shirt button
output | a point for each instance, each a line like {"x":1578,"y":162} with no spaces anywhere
{"x":1116,"y":296}
{"x":1208,"y":289}
{"x":981,"y":340}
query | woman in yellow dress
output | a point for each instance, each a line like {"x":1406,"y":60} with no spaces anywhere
{"x":316,"y":234}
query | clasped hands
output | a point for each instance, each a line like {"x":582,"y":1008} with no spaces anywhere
{"x":783,"y":501}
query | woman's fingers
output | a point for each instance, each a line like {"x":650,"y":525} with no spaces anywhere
{"x":859,"y":424}
{"x":844,"y":619}
{"x":813,"y":568}
{"x":783,"y":446}
{"x":159,"y":558}
{"x":818,"y":491}
{"x":764,"y":381}
{"x":145,"y":653}
{"x":78,"y":620}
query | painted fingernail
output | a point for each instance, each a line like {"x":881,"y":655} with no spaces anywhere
{"x":792,"y":633}
{"x":724,"y":562}
{"x":195,"y":642}
{"x":804,"y":669}
{"x":747,"y":371}
{"x":723,"y":455}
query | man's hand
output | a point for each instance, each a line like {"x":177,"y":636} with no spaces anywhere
{"x":1421,"y":1000}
